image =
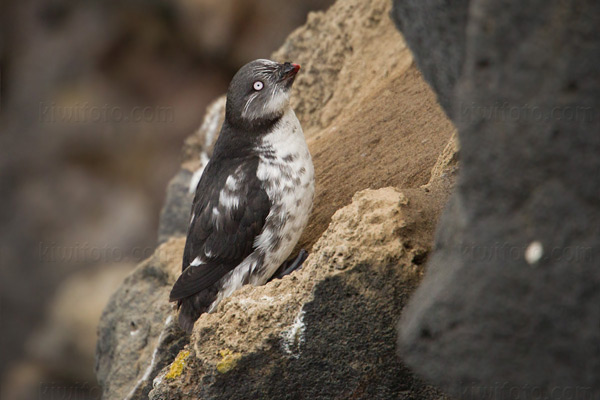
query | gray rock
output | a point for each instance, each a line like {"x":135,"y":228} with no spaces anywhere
{"x":137,"y":334}
{"x":435,"y":32}
{"x":175,"y":214}
{"x":509,"y":304}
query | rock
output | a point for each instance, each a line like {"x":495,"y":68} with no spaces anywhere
{"x":326,"y":331}
{"x":446,"y":167}
{"x":435,"y":31}
{"x":372,"y":252}
{"x":510,"y":297}
{"x":198,"y":147}
{"x":287,"y":325}
{"x":175,"y":215}
{"x":137,"y":335}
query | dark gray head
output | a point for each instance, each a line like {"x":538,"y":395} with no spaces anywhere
{"x":260,"y":92}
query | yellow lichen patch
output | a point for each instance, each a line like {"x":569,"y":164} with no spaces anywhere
{"x":228,"y":362}
{"x":178,"y":365}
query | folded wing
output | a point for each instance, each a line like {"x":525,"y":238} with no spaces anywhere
{"x":228,"y":213}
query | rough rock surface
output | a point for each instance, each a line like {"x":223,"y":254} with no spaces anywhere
{"x":510,"y":299}
{"x":326,"y":331}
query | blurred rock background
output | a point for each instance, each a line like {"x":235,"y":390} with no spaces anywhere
{"x":96,"y":98}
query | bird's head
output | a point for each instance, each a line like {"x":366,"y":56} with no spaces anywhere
{"x":260,"y":92}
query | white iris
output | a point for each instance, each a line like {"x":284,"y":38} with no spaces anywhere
{"x":258,"y":85}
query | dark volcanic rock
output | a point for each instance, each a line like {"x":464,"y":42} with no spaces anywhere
{"x":435,"y":32}
{"x":509,"y":304}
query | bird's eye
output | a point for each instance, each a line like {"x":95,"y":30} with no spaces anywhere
{"x":258,"y":85}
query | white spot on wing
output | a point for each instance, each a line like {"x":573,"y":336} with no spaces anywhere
{"x":231,"y":183}
{"x":228,"y":200}
{"x":216,"y":217}
{"x":197,"y":261}
{"x":229,"y":197}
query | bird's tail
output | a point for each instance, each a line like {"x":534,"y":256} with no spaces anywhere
{"x":192,"y":307}
{"x":188,"y":314}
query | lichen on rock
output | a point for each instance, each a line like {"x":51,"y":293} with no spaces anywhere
{"x":177,"y":366}
{"x":228,"y":361}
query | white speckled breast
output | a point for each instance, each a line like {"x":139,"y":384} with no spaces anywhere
{"x":287,"y":174}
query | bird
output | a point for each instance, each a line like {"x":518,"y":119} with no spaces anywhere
{"x":254,"y":197}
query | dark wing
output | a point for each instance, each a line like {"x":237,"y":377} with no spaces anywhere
{"x":229,"y":212}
